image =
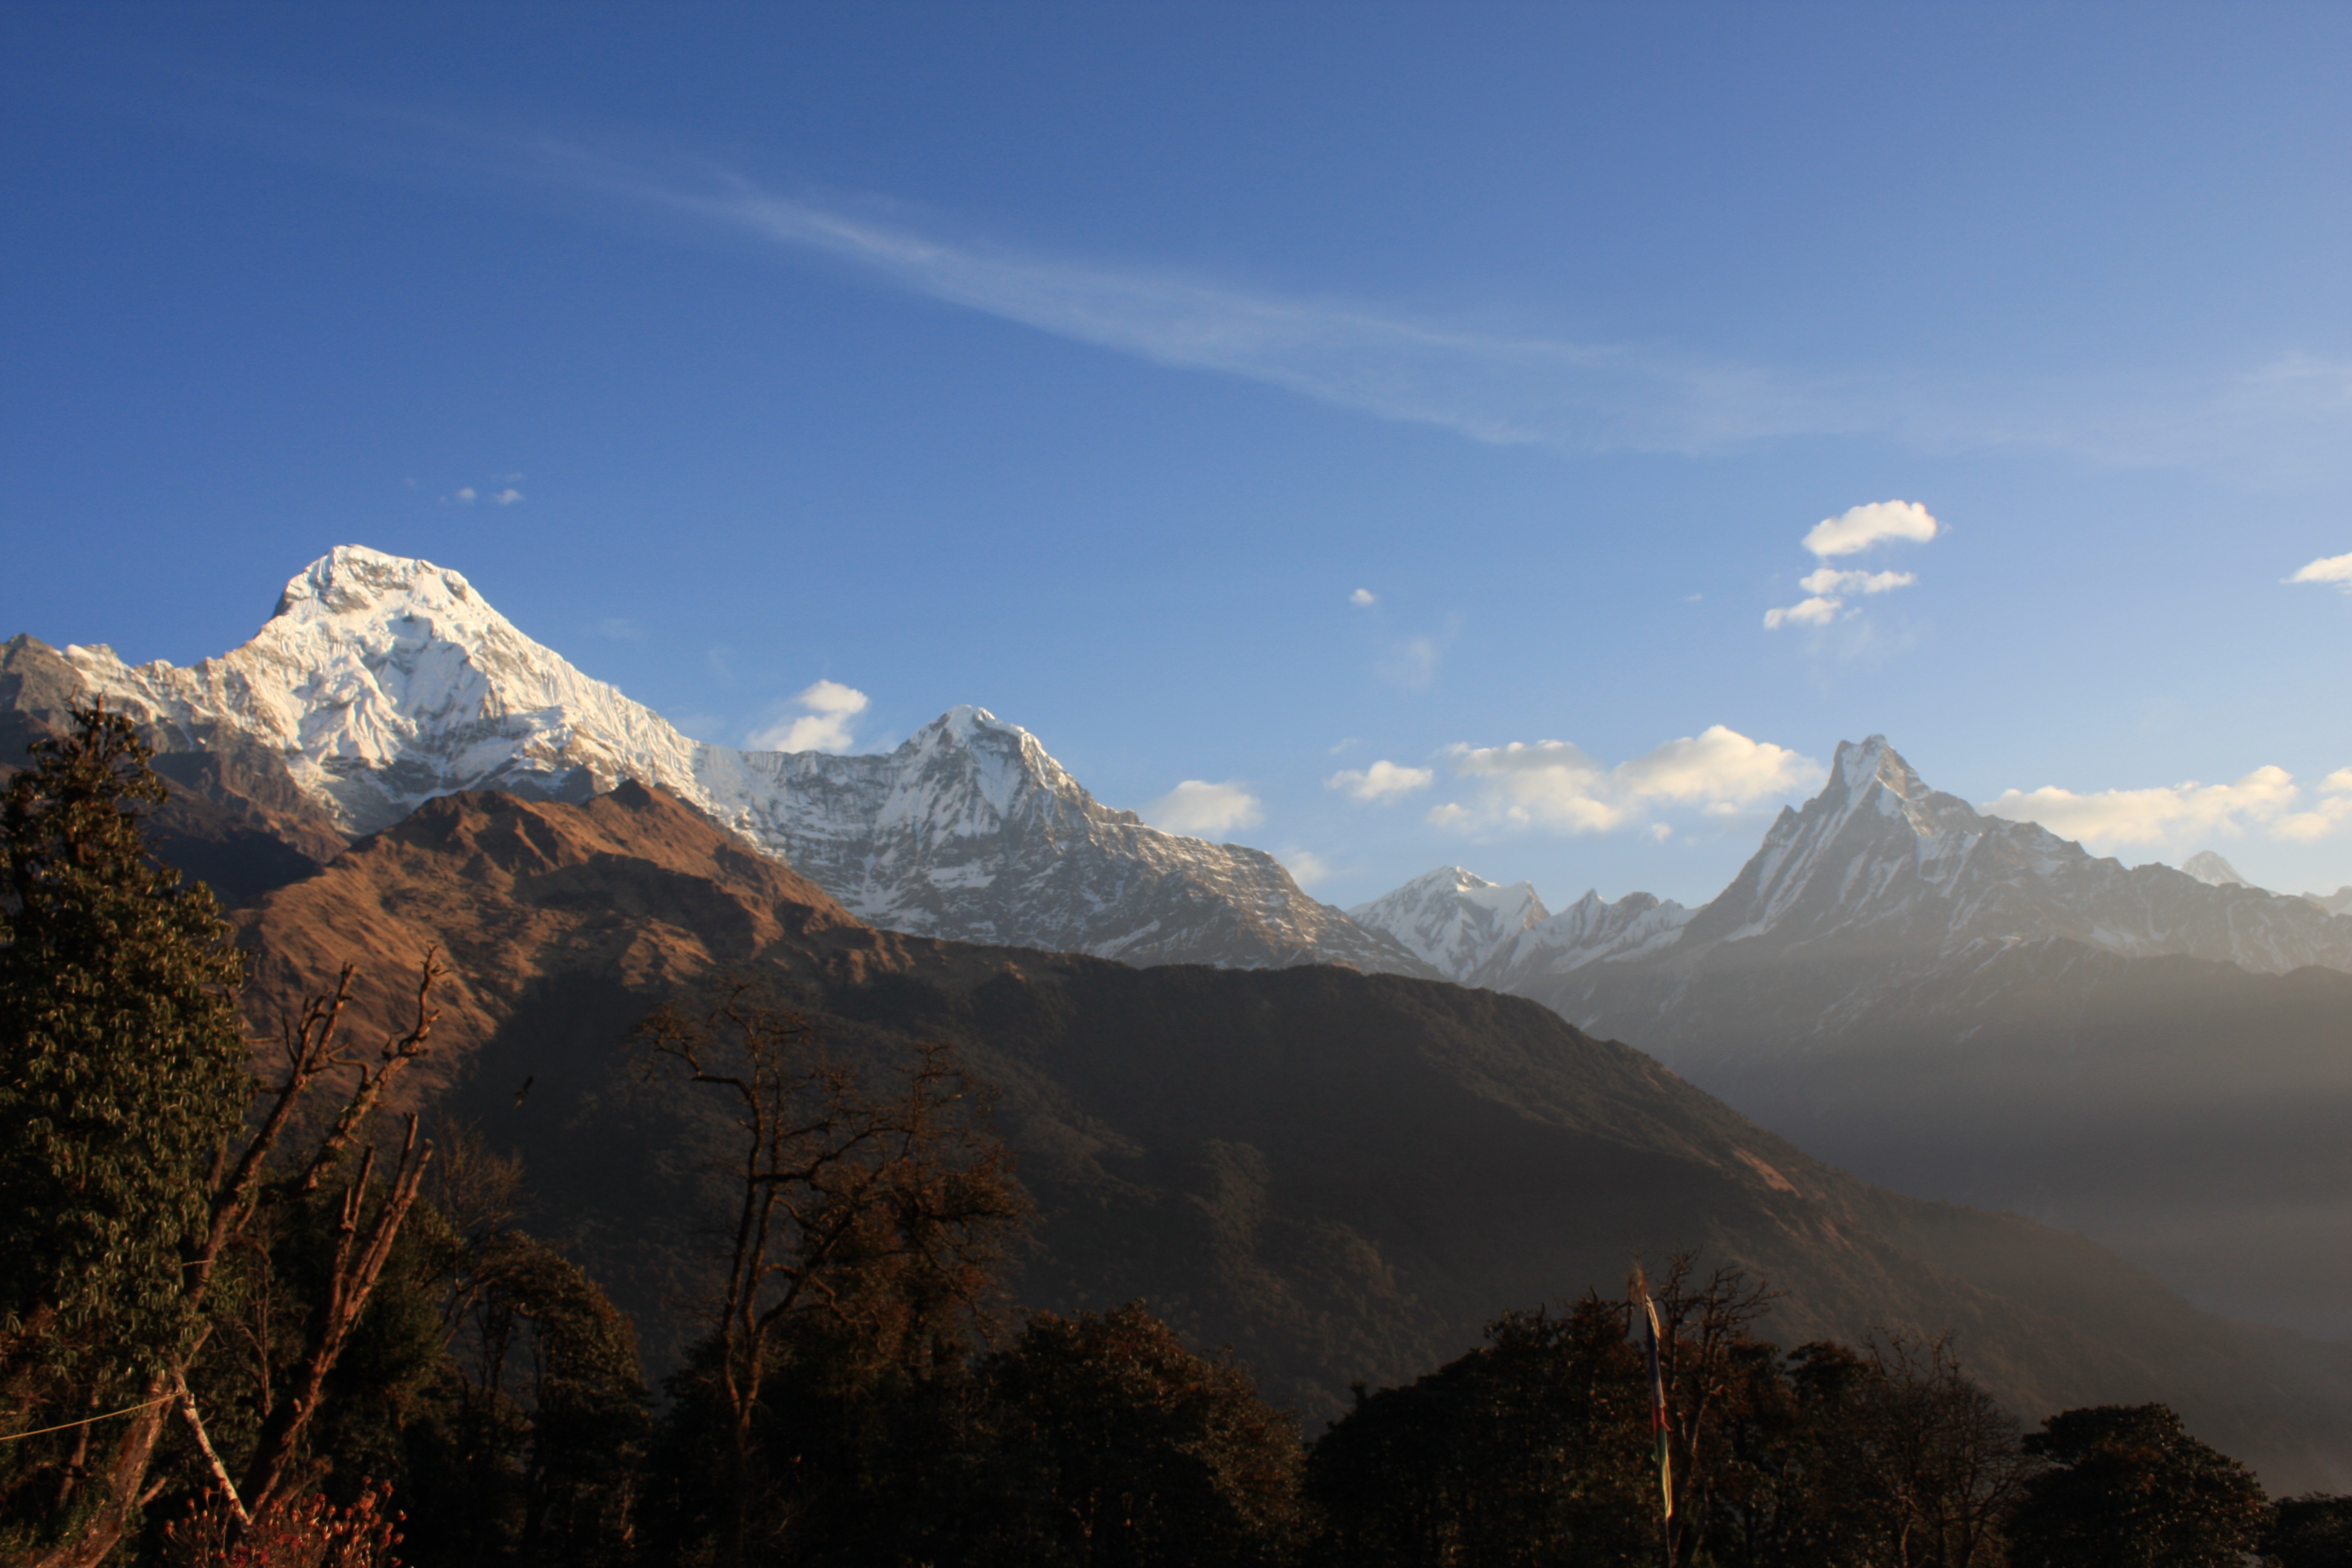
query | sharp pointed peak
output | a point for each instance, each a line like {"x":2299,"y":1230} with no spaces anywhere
{"x":1873,"y":760}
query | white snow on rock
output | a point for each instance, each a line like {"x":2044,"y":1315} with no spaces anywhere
{"x":385,"y":682}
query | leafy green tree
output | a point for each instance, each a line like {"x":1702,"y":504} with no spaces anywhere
{"x":122,"y":1075}
{"x":139,"y":1212}
{"x":2127,"y":1487}
{"x":1107,"y":1442}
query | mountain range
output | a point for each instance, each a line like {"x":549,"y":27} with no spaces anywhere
{"x":1339,"y":1174}
{"x":1957,"y":1006}
{"x":381,"y":682}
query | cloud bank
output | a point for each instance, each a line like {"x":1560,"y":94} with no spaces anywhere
{"x":1553,"y":786}
{"x":822,"y":725}
{"x":2267,"y":802}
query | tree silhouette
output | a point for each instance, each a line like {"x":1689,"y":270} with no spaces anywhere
{"x":2127,"y":1487}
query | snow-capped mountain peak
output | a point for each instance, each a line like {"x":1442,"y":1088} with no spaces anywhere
{"x":1879,"y":862}
{"x":1452,"y":920}
{"x":383,"y":682}
{"x":2213,"y":871}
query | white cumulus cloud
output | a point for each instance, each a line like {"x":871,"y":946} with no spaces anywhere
{"x":1198,"y":807}
{"x":508,"y":496}
{"x":1381,"y":780}
{"x":821,"y":725}
{"x":1363,"y":596}
{"x":1860,"y":527}
{"x":2175,"y":815}
{"x":2334,"y":570}
{"x":1856,"y":529}
{"x":1556,"y":786}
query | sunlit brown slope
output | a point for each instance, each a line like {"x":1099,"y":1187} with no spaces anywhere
{"x":1341,"y":1174}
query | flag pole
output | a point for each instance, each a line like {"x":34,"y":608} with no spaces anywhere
{"x":1650,"y":1336}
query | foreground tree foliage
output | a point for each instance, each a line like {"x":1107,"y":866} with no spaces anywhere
{"x":122,"y":1073}
{"x":190,"y":1255}
{"x":2127,"y":1487}
{"x":1536,"y":1448}
{"x":868,"y":1219}
{"x":1106,"y":1441}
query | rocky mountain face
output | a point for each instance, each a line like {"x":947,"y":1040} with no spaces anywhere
{"x":1974,"y":1008}
{"x":381,"y":683}
{"x":1342,"y":1176}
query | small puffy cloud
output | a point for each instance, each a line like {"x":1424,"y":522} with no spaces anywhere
{"x":821,"y":725}
{"x":465,"y":495}
{"x":1306,"y":867}
{"x":508,"y":497}
{"x":1362,"y":597}
{"x":2334,"y":570}
{"x":1553,"y":784}
{"x":1860,"y":527}
{"x":2176,"y":816}
{"x":1381,"y":780}
{"x":1830,"y":580}
{"x":2337,"y":781}
{"x":1197,"y":808}
{"x":1814,"y":612}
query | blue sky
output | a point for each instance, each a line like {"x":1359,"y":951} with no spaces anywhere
{"x":1254,"y":396}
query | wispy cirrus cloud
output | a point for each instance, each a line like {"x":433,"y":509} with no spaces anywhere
{"x":2286,"y":416}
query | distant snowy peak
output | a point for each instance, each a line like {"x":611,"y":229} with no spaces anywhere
{"x":383,"y":682}
{"x":1453,"y":921}
{"x":1481,"y":933}
{"x":2213,"y":871}
{"x":1878,"y":862}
